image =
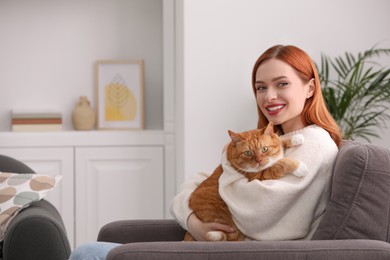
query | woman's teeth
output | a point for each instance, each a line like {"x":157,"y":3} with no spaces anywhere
{"x":275,"y":108}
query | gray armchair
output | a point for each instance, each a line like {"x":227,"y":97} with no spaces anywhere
{"x":356,"y":224}
{"x":37,"y":232}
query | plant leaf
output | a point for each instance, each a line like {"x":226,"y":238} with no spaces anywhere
{"x":356,"y":90}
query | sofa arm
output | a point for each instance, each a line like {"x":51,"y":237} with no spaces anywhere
{"x":251,"y":250}
{"x":37,"y":232}
{"x":128,"y":231}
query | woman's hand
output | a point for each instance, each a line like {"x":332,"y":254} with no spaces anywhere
{"x":198,"y":229}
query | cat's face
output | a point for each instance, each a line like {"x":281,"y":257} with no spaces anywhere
{"x":254,"y":150}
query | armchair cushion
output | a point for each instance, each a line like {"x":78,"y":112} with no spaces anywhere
{"x":18,"y":191}
{"x":38,"y":231}
{"x":360,"y":199}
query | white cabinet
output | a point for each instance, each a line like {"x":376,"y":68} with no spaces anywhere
{"x":107,"y":176}
{"x":114,"y":183}
{"x":112,"y":175}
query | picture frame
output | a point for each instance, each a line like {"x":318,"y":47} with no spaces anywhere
{"x":120,"y":93}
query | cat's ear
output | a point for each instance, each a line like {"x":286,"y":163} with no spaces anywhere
{"x":269,"y":129}
{"x":235,"y":138}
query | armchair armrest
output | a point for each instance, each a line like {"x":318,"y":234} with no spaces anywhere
{"x":37,"y":232}
{"x":253,"y":250}
{"x":129,"y":231}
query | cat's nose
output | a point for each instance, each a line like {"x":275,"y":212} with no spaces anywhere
{"x":260,"y":160}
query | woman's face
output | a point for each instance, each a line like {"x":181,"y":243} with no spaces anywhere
{"x":281,"y":94}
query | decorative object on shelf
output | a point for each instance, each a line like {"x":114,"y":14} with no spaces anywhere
{"x":83,"y":115}
{"x":356,"y":89}
{"x":29,"y":121}
{"x":120,"y":86}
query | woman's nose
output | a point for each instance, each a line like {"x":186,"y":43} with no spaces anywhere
{"x":270,"y":95}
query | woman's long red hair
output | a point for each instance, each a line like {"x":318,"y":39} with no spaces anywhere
{"x":315,"y":110}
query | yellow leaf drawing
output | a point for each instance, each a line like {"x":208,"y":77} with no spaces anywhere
{"x":120,"y":103}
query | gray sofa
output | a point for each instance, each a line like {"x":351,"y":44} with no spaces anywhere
{"x":356,"y":224}
{"x":37,"y":232}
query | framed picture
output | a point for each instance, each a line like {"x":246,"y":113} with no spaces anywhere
{"x":120,"y":88}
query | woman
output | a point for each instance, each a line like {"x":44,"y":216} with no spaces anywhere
{"x":288,"y":93}
{"x":287,"y":88}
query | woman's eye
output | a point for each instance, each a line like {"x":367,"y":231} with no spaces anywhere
{"x":264,"y":149}
{"x":248,"y":153}
{"x":260,"y":88}
{"x":282,"y":84}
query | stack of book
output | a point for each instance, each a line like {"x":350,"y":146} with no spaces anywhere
{"x":36,"y":121}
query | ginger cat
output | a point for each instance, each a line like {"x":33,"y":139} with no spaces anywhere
{"x":258,"y":155}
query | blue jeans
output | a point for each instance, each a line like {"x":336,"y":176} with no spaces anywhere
{"x":92,"y":251}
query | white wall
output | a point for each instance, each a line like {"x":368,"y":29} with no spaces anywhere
{"x":49,"y":48}
{"x":223,"y":39}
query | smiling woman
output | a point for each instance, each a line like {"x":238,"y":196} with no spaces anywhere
{"x":288,"y":92}
{"x":281,"y":94}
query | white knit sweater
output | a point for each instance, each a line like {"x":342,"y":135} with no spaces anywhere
{"x":284,"y":209}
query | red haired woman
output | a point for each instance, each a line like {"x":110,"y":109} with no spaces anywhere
{"x":278,"y":59}
{"x":288,"y":93}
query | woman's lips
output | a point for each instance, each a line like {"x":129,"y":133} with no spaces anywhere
{"x":274,"y":109}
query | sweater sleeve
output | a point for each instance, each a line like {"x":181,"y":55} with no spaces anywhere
{"x":179,"y":208}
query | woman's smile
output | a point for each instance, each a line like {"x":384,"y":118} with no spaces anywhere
{"x":274,"y":109}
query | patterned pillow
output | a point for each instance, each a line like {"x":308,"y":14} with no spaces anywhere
{"x":18,"y":191}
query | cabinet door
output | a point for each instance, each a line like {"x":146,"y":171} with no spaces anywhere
{"x":53,"y":161}
{"x":114,"y":183}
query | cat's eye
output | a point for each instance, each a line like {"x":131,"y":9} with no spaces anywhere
{"x":248,"y":153}
{"x":264,"y":149}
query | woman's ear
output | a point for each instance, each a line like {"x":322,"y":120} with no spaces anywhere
{"x":310,"y":90}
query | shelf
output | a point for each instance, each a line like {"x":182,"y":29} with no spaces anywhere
{"x":82,"y":138}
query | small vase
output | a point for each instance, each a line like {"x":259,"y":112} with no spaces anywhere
{"x":83,"y":116}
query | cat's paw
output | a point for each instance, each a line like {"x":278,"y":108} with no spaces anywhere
{"x":297,"y":139}
{"x":216,"y":236}
{"x":301,"y":171}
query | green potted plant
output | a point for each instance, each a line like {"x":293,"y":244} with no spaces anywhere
{"x":356,"y":89}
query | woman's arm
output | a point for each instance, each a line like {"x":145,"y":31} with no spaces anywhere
{"x":184,"y":215}
{"x":179,"y":206}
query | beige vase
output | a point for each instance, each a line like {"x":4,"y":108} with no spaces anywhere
{"x":83,"y":115}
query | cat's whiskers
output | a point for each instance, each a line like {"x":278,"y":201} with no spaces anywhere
{"x":261,"y":164}
{"x":254,"y":169}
